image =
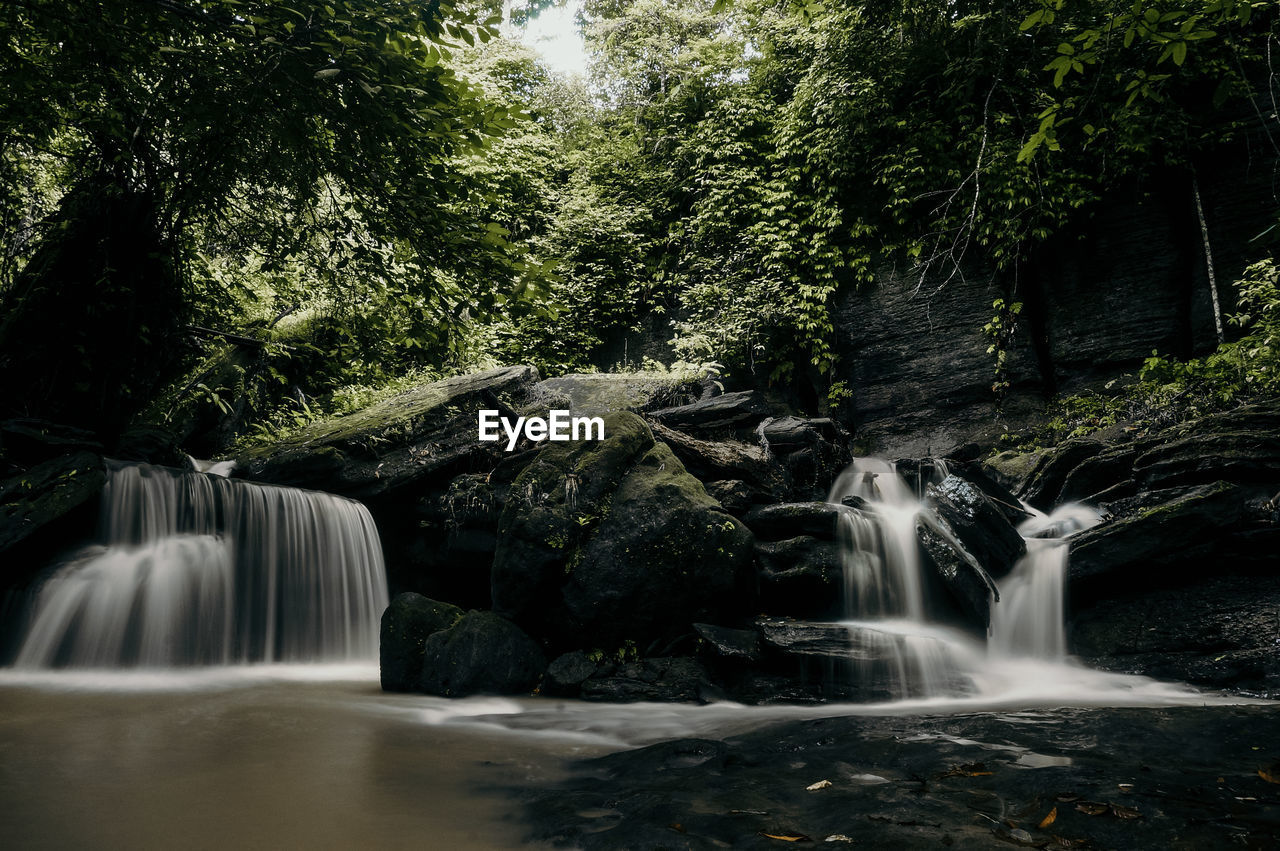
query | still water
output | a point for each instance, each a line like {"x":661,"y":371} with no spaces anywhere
{"x":317,"y":756}
{"x":252,"y":763}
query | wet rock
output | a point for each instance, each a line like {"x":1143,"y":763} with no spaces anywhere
{"x":406,"y":625}
{"x":482,"y":653}
{"x":801,"y":576}
{"x":1244,"y":457}
{"x":151,"y":445}
{"x":728,"y":411}
{"x":614,"y":539}
{"x":736,"y":496}
{"x":960,"y":573}
{"x":604,"y":392}
{"x":1045,"y":485}
{"x":1150,"y":535}
{"x":723,"y":459}
{"x":1215,"y":631}
{"x":421,"y":438}
{"x":567,"y":672}
{"x":1094,"y":478}
{"x":46,"y":509}
{"x":913,"y":782}
{"x":804,"y":638}
{"x":789,"y":519}
{"x":678,"y":678}
{"x":26,"y":442}
{"x":978,"y":524}
{"x":787,"y":434}
{"x":742,"y":645}
{"x":1013,"y":470}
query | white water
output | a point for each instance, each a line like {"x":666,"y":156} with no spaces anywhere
{"x":894,"y":643}
{"x":201,"y":570}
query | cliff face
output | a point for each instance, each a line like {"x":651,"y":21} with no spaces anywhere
{"x":1128,"y":280}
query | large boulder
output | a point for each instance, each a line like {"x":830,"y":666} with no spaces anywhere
{"x":743,"y":409}
{"x":423,"y":436}
{"x":482,"y":653}
{"x":1153,"y":535}
{"x":800,"y":577}
{"x":959,"y":572}
{"x":978,"y":523}
{"x":406,"y":625}
{"x":45,"y":510}
{"x":606,"y":392}
{"x":724,"y":460}
{"x":1215,"y":631}
{"x":673,"y":678}
{"x":790,"y":519}
{"x":614,"y":539}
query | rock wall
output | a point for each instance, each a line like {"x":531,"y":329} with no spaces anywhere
{"x":1129,"y":279}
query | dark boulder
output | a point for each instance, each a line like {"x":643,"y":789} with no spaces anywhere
{"x":483,"y":653}
{"x":604,"y":392}
{"x":737,"y":645}
{"x":716,"y":460}
{"x":978,"y":524}
{"x":614,"y":539}
{"x":805,"y":638}
{"x":421,"y":438}
{"x":957,"y":569}
{"x":1152,"y":535}
{"x":47,"y":509}
{"x":1244,"y":457}
{"x":1046,"y":483}
{"x":672,"y":679}
{"x":665,"y":555}
{"x":1013,"y":470}
{"x":736,"y":496}
{"x":1215,"y":631}
{"x":727,"y":411}
{"x":800,"y":577}
{"x":406,"y":625}
{"x":790,"y":519}
{"x":567,"y":672}
{"x":787,"y":434}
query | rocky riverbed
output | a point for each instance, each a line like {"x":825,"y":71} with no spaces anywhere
{"x":1185,"y":777}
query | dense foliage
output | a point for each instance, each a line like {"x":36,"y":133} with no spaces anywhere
{"x":382,"y":190}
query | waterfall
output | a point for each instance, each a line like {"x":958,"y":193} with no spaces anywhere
{"x":195,"y":569}
{"x":893,"y":643}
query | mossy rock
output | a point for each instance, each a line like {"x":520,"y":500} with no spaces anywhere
{"x":482,"y":654}
{"x":406,"y":625}
{"x":615,"y":539}
{"x":424,"y":434}
{"x":45,"y":509}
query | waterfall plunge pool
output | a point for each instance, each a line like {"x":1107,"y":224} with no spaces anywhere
{"x":316,"y":756}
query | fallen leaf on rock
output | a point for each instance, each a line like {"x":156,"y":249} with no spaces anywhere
{"x":1093,"y":808}
{"x":678,"y":828}
{"x":1068,"y":798}
{"x":821,"y":784}
{"x":786,"y":837}
{"x":1017,"y":836}
{"x":1049,"y":819}
{"x":972,"y":769}
{"x":1124,"y":812}
{"x":838,"y":837}
{"x":1272,"y":774}
{"x":747,"y":813}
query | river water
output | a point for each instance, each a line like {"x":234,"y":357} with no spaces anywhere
{"x":311,"y":756}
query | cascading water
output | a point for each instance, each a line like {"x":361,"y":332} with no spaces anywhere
{"x":201,"y":570}
{"x":893,"y":644}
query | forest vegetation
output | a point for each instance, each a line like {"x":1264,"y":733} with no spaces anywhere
{"x":278,"y":211}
